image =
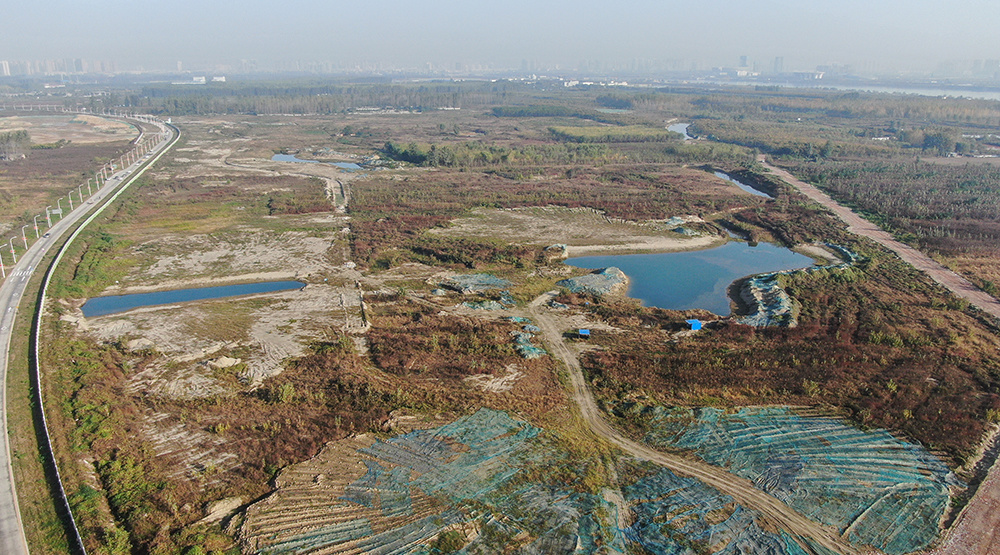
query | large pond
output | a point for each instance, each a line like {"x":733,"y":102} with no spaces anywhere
{"x":695,"y":279}
{"x":101,"y":306}
{"x":293,"y":158}
{"x":681,"y":128}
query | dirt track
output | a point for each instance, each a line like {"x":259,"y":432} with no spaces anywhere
{"x":743,"y":491}
{"x":860,"y":226}
{"x":977,"y":531}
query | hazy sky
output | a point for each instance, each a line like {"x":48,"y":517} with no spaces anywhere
{"x":804,"y":32}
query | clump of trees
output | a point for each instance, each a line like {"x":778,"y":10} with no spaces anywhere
{"x":476,"y":154}
{"x":13,"y":144}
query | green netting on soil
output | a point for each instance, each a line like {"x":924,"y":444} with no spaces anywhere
{"x":675,"y":515}
{"x":598,"y":283}
{"x":476,"y":466}
{"x":483,"y":305}
{"x":327,"y":535}
{"x":878,"y":489}
{"x":524,"y":346}
{"x":475,"y":283}
{"x":770,"y":303}
{"x":473,"y":463}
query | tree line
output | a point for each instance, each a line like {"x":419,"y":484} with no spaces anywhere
{"x":13,"y":144}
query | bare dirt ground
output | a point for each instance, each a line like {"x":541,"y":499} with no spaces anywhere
{"x":28,"y":185}
{"x":261,"y":330}
{"x":582,"y":230}
{"x":742,"y":490}
{"x":977,"y":531}
{"x":80,"y":129}
{"x":258,"y":255}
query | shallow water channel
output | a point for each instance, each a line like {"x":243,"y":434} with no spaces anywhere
{"x":748,"y":188}
{"x":112,"y":304}
{"x":695,"y":279}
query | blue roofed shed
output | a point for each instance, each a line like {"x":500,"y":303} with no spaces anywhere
{"x":695,"y":324}
{"x":583,"y":334}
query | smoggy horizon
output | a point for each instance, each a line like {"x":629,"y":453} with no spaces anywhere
{"x":769,"y":35}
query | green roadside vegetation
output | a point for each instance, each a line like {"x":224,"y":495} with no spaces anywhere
{"x":44,"y":523}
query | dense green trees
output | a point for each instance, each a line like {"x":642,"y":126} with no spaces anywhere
{"x":13,"y":144}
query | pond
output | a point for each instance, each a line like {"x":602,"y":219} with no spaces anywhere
{"x":681,"y":128}
{"x":748,"y":188}
{"x":112,"y":304}
{"x":695,"y":279}
{"x":292,"y":158}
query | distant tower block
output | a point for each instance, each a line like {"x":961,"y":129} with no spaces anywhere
{"x":743,"y":61}
{"x":779,"y":64}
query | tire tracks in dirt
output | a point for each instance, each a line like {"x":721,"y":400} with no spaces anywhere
{"x":774,"y":511}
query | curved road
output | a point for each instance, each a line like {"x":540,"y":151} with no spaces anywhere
{"x":742,"y":490}
{"x":12,"y":540}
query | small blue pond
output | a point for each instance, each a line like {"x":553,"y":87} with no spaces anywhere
{"x":101,"y":306}
{"x":695,"y":279}
{"x":681,"y":128}
{"x":748,"y":188}
{"x":293,"y":158}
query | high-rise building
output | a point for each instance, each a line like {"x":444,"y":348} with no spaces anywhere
{"x":4,"y":68}
{"x":779,"y":64}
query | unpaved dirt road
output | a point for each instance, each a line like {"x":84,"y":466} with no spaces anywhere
{"x":977,"y":531}
{"x":774,"y":511}
{"x":860,"y":226}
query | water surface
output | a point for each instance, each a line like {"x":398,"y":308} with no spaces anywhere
{"x":748,"y":188}
{"x":112,"y":304}
{"x":681,"y":128}
{"x":695,"y":279}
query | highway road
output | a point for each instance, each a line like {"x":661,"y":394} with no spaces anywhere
{"x":13,"y":289}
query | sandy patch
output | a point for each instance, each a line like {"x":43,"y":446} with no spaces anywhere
{"x":496,"y":384}
{"x":216,"y":259}
{"x":819,"y":253}
{"x":196,"y":454}
{"x":79,"y":129}
{"x":583,"y":230}
{"x":264,"y":329}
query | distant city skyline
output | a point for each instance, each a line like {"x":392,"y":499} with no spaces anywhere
{"x":873,"y":36}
